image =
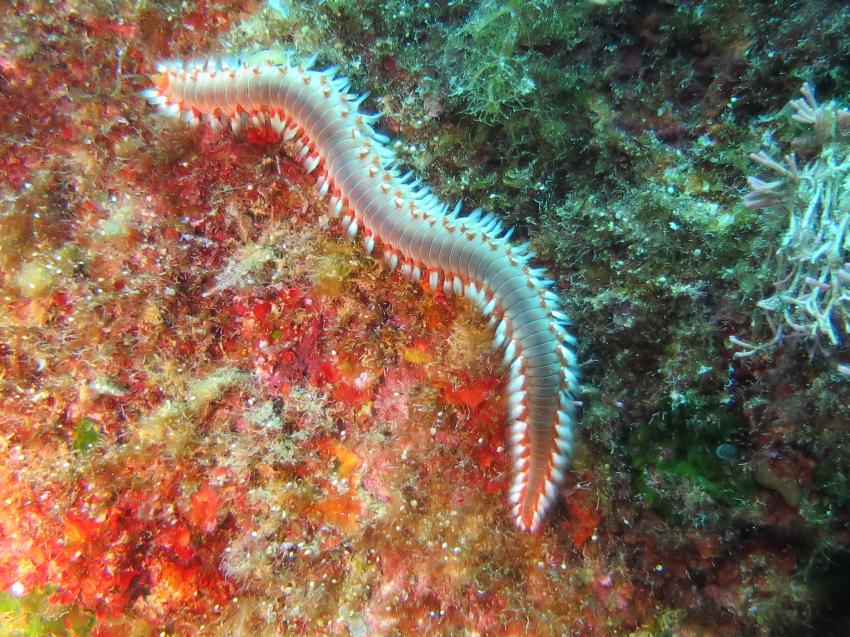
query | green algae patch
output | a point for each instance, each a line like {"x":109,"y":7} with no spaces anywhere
{"x":676,"y":454}
{"x":33,"y":615}
{"x":86,"y":435}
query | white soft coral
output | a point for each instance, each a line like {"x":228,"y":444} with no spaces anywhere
{"x":812,"y":292}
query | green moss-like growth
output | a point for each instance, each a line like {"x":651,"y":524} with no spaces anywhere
{"x":502,"y":55}
{"x":681,"y":465}
{"x":86,"y":435}
{"x":33,"y":615}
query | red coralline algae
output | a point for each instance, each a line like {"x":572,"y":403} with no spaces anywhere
{"x":584,"y":518}
{"x":204,"y":508}
{"x":217,"y":417}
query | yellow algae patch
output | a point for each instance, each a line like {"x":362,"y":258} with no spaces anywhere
{"x":244,"y":267}
{"x":418,"y":353}
{"x":787,"y":487}
{"x":173,"y":422}
{"x":15,"y":228}
{"x":267,"y":56}
{"x":169,"y":424}
{"x":151,"y":314}
{"x":335,"y":264}
{"x":34,"y":279}
{"x":207,"y":389}
{"x":116,"y":226}
{"x":468,"y":341}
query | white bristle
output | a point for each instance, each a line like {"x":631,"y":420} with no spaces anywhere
{"x":510,"y":351}
{"x":565,"y":446}
{"x":557,"y":475}
{"x":517,"y":365}
{"x":311,"y":163}
{"x":516,"y":384}
{"x":519,"y":427}
{"x":516,"y":398}
{"x":501,"y":332}
{"x":559,"y":460}
{"x":516,"y":412}
{"x":489,"y":307}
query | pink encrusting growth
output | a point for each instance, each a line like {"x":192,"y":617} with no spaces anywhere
{"x":418,"y":235}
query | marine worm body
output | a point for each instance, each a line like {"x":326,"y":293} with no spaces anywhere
{"x":466,"y":255}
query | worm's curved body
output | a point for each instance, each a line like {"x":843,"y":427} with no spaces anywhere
{"x":468,"y":255}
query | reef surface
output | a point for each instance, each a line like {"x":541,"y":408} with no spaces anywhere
{"x":218,"y":416}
